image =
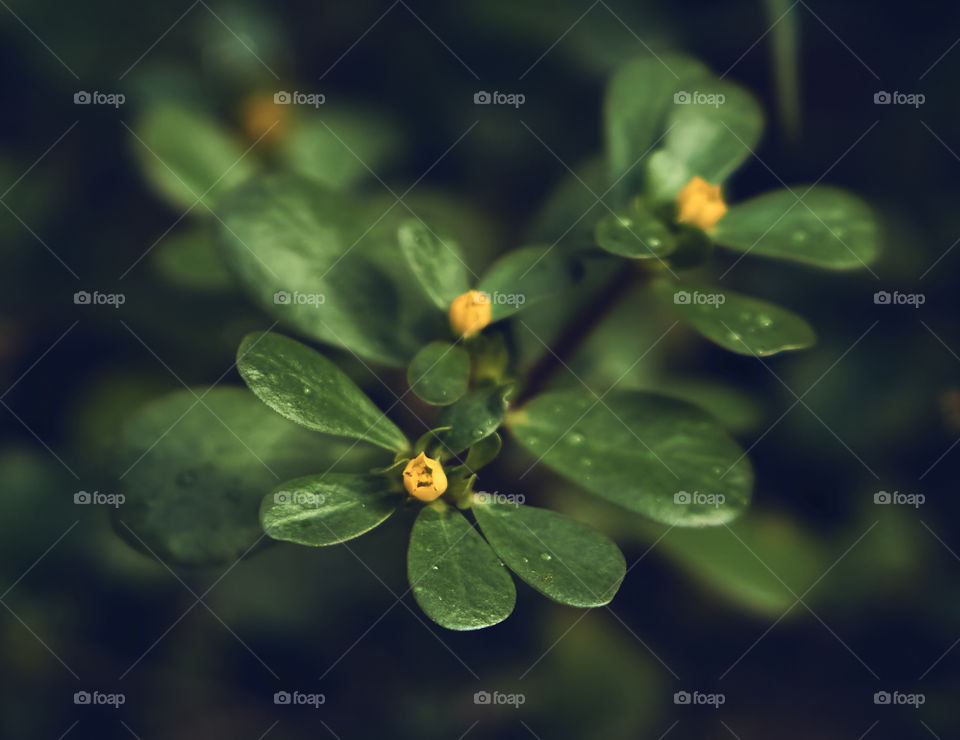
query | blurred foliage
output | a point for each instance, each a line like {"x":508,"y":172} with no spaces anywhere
{"x":697,"y":601}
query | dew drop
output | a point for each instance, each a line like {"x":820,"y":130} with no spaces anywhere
{"x":574,"y":438}
{"x":477,"y":433}
{"x":764,"y":320}
{"x":546,"y":556}
{"x":586,"y":462}
{"x":799,"y":236}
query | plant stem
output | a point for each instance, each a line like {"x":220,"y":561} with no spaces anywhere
{"x":589,"y":317}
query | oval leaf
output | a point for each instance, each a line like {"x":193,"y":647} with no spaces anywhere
{"x":194,"y":473}
{"x":637,"y":99}
{"x":523,"y":277}
{"x":327,"y":265}
{"x":456,"y":578}
{"x":560,"y":557}
{"x":831,"y":228}
{"x":192,"y":261}
{"x":658,"y":456}
{"x":760,"y":563}
{"x":483,"y":453}
{"x":739,"y":323}
{"x":302,"y":385}
{"x":635,"y":233}
{"x":439,"y":373}
{"x":339,"y":147}
{"x":437,"y":263}
{"x":187,"y":157}
{"x":475,"y":416}
{"x":710,"y":131}
{"x":327,"y":509}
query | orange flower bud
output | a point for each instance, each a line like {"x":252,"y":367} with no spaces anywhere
{"x":701,"y":204}
{"x":470,"y":313}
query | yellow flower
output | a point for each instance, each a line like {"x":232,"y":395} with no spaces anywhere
{"x":424,"y":478}
{"x":470,"y":313}
{"x":700,"y":204}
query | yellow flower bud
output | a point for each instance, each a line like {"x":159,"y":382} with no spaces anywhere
{"x":470,"y":313}
{"x":424,"y":478}
{"x":262,"y":117}
{"x":700,"y":204}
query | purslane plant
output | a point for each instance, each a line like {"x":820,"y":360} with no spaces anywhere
{"x":396,"y":291}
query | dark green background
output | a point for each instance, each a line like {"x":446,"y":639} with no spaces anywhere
{"x":877,"y":621}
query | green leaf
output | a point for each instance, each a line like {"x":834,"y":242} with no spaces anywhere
{"x":185,"y":154}
{"x":740,"y":561}
{"x":194,"y":473}
{"x":191,"y":260}
{"x":483,"y":453}
{"x":831,"y":228}
{"x":733,"y":407}
{"x":739,"y":323}
{"x":439,"y":373}
{"x":327,"y":265}
{"x":523,"y":277}
{"x":560,"y":557}
{"x":327,"y":509}
{"x":475,"y":416}
{"x":456,"y":578}
{"x":705,"y":137}
{"x":339,"y":147}
{"x":437,"y":263}
{"x":635,"y":233}
{"x":302,"y":385}
{"x":645,"y":452}
{"x":638,"y":98}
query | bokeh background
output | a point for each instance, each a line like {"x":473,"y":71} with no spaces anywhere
{"x":796,"y":614}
